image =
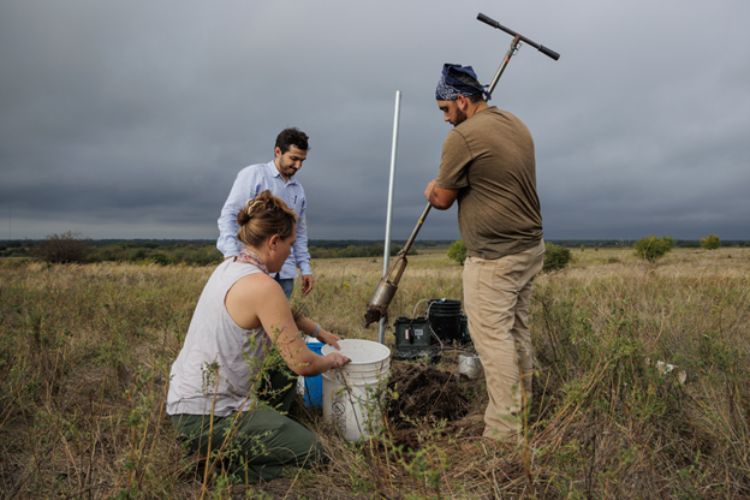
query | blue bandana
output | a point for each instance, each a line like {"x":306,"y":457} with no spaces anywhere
{"x":458,"y":80}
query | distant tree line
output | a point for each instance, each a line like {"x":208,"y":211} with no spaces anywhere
{"x":69,"y":248}
{"x":355,"y":250}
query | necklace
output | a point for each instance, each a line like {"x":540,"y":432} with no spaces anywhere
{"x":250,"y":257}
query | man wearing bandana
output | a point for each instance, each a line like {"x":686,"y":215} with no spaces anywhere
{"x":488,"y":165}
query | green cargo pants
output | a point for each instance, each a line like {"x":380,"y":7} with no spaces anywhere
{"x":259,"y":442}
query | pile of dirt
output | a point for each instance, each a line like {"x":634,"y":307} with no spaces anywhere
{"x":426,"y":393}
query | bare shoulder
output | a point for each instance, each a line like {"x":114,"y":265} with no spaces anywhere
{"x":257,"y":285}
{"x":252,"y":294}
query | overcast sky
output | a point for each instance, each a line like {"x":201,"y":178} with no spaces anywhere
{"x":131,"y":119}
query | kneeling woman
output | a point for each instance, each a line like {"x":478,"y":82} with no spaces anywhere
{"x":216,"y":390}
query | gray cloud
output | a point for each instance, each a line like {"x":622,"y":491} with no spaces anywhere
{"x":131,"y":119}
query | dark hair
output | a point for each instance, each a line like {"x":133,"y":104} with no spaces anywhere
{"x":264,"y":216}
{"x":292,"y":137}
{"x":475,"y":98}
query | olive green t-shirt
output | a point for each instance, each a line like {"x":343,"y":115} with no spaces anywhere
{"x":489,"y":159}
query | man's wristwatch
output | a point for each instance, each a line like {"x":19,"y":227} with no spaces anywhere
{"x":316,"y":332}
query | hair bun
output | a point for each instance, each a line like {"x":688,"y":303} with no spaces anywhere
{"x":260,"y":206}
{"x":243,"y":217}
{"x":263,"y":216}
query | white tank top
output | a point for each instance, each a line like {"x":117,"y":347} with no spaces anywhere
{"x":220,"y":361}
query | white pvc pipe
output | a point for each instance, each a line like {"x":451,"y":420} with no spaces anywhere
{"x":389,"y":210}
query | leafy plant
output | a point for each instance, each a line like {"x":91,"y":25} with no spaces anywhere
{"x":653,"y":247}
{"x":710,"y":242}
{"x":457,"y":251}
{"x":555,"y":257}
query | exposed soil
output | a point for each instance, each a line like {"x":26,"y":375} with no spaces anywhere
{"x":426,"y":392}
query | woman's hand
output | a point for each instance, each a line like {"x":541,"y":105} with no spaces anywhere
{"x":336,"y":360}
{"x":329,"y":338}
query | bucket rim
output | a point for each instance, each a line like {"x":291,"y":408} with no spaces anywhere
{"x":385,"y":351}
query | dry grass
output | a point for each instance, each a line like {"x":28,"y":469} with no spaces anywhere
{"x":85,"y":354}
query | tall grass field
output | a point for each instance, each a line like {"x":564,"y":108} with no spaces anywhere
{"x":642,"y":386}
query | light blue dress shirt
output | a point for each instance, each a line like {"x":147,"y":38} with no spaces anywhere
{"x":248,"y":184}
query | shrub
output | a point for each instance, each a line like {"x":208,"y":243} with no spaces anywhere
{"x":653,"y":247}
{"x":710,"y":242}
{"x":555,"y":257}
{"x":62,"y":248}
{"x":457,"y":251}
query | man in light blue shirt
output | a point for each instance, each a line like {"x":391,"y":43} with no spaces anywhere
{"x":278,"y":176}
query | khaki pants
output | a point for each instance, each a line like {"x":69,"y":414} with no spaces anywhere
{"x":496,"y":300}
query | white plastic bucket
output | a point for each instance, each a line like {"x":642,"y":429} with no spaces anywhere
{"x":350,"y":393}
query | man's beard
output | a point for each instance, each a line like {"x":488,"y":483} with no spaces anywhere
{"x":460,"y":117}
